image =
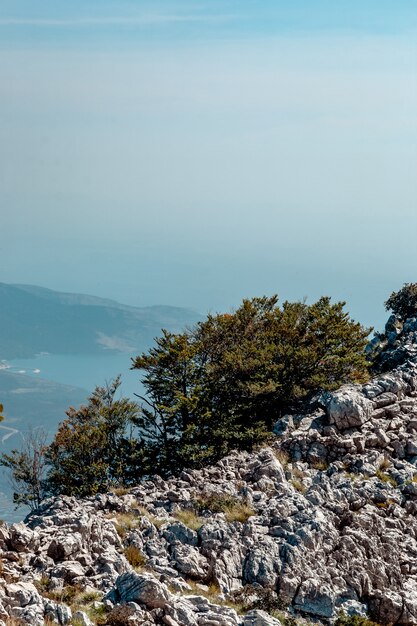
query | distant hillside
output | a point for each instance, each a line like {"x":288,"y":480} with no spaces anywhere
{"x":34,"y":319}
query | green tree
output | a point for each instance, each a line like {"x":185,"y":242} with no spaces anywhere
{"x":93,"y":449}
{"x":27,"y":469}
{"x":174,"y":371}
{"x":403,"y":302}
{"x":224,"y":383}
{"x":264,"y":359}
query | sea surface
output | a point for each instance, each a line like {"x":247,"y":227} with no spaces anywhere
{"x":84,"y":371}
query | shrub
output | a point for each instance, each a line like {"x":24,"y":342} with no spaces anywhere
{"x":222,"y":384}
{"x":263,"y":598}
{"x":28,"y":469}
{"x":91,"y":452}
{"x":403,"y":303}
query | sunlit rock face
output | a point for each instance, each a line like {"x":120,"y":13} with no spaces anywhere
{"x":322,"y":520}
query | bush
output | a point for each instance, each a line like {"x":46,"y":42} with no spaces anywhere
{"x":223,"y":384}
{"x":262,"y":598}
{"x":92,"y":452}
{"x":403,"y":303}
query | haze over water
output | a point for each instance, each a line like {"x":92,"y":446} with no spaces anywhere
{"x":194,"y":154}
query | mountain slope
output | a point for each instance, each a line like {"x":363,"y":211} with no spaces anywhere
{"x":34,"y":319}
{"x":321,"y":521}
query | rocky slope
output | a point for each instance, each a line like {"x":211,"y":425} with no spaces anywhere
{"x":321,"y":521}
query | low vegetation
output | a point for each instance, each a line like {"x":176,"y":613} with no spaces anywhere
{"x":354,"y":620}
{"x":124,"y":523}
{"x":189,"y":518}
{"x":234,"y":509}
{"x":298,"y":485}
{"x":211,"y":389}
{"x":386,"y":478}
{"x":135,"y":557}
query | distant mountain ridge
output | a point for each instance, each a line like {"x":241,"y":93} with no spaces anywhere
{"x":35,"y":319}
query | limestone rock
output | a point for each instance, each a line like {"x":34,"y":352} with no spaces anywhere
{"x":347,"y":408}
{"x":142,"y":588}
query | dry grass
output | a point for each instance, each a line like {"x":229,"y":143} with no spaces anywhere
{"x":298,"y":473}
{"x":125,"y":522}
{"x":298,"y":485}
{"x":234,"y":509}
{"x":189,"y":518}
{"x":385,"y":505}
{"x":135,"y":557}
{"x":240,"y":512}
{"x":283,"y":457}
{"x":120,"y":491}
{"x":213,"y":594}
{"x":384,"y":464}
{"x":156,"y":521}
{"x":321,"y":466}
{"x":89,"y":596}
{"x":385,"y":478}
{"x":67,"y":594}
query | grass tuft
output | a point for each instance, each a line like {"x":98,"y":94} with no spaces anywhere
{"x":135,"y":556}
{"x":125,"y":522}
{"x":386,"y":478}
{"x":298,"y":485}
{"x":156,"y":521}
{"x":234,"y":509}
{"x":189,"y":518}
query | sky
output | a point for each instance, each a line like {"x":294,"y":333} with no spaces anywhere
{"x":195,"y":153}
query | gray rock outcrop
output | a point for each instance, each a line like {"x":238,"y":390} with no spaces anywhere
{"x":321,"y":521}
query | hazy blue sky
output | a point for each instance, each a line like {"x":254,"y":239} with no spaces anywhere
{"x":194,"y":153}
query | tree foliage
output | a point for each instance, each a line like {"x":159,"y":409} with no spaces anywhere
{"x":92,"y":450}
{"x":218,"y":386}
{"x":28,"y":467}
{"x":403,"y":303}
{"x":224,"y":383}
